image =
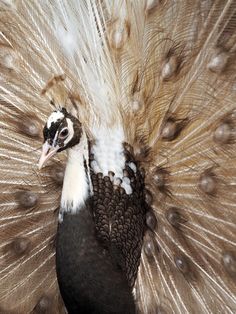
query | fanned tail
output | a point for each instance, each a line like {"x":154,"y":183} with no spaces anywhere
{"x":164,"y":71}
{"x":182,"y":94}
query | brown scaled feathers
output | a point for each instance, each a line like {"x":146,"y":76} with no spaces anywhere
{"x":166,"y":70}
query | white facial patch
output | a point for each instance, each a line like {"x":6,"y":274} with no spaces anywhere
{"x":54,"y":117}
{"x":70,"y":131}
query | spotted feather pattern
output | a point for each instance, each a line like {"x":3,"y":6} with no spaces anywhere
{"x":120,"y":218}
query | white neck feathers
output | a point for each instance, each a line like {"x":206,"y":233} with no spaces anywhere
{"x":76,"y":185}
{"x":109,"y":155}
{"x":108,"y":151}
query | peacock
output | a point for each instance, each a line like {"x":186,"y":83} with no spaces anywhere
{"x":118,"y":156}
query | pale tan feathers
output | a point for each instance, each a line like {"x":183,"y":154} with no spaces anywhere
{"x":166,"y":71}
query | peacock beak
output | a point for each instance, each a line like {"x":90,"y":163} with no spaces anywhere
{"x":47,"y":152}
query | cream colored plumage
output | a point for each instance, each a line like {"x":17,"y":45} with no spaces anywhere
{"x":165,"y":71}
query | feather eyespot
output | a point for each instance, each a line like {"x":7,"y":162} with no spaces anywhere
{"x":20,"y":245}
{"x":148,"y":197}
{"x":43,"y":305}
{"x":181,"y":263}
{"x":151,"y":220}
{"x":172,"y":128}
{"x":149,"y":246}
{"x":27,"y":199}
{"x":174,"y":217}
{"x":229,"y":262}
{"x":208,"y":182}
{"x":222,"y":133}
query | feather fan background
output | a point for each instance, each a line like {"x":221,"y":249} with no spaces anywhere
{"x":167,"y":70}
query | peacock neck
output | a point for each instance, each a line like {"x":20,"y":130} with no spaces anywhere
{"x":77,"y":185}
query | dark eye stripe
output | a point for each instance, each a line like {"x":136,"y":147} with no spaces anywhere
{"x":49,"y":133}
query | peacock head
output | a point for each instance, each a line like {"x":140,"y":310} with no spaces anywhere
{"x":61,"y":131}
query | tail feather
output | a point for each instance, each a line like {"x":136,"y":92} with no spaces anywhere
{"x":165,"y":71}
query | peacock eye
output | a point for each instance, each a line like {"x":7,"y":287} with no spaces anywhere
{"x":64,"y":133}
